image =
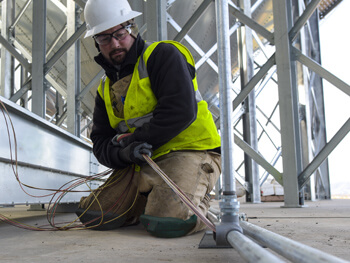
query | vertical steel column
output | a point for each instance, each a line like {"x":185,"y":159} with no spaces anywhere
{"x":287,"y":104}
{"x":78,"y":109}
{"x":229,"y":204}
{"x":38,"y":53}
{"x":6,"y":58}
{"x":224,"y":67}
{"x":306,"y":123}
{"x":24,"y":98}
{"x":73,"y":73}
{"x":246,"y":60}
{"x":162,"y":20}
{"x":59,"y":108}
{"x":156,"y":20}
{"x":315,"y":109}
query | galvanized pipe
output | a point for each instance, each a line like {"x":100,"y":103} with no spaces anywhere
{"x":290,"y":249}
{"x":249,"y":250}
{"x":287,"y":248}
{"x":224,"y":67}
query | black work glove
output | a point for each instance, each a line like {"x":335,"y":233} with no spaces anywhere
{"x":122,"y":140}
{"x":133,"y":152}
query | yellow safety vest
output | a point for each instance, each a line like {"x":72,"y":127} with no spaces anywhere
{"x":140,"y":102}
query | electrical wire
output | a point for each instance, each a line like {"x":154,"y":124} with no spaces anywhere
{"x":71,"y":185}
{"x":179,"y":192}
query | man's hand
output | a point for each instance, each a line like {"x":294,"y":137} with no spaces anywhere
{"x":134,"y":151}
{"x":122,"y":140}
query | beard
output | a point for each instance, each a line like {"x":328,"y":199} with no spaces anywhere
{"x":117,"y":56}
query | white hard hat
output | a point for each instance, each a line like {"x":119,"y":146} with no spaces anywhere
{"x":101,"y":15}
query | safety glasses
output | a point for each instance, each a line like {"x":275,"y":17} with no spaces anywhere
{"x":120,"y":34}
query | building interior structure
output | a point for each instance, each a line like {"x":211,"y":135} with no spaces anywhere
{"x":279,"y":143}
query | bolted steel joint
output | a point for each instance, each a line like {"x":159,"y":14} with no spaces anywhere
{"x":229,"y":208}
{"x":223,"y":228}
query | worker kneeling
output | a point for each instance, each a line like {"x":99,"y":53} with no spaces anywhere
{"x":148,"y":103}
{"x":130,"y":196}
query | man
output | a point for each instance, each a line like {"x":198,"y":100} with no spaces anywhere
{"x":148,"y":103}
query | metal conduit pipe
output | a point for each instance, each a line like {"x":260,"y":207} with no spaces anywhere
{"x":290,"y":249}
{"x":249,"y":250}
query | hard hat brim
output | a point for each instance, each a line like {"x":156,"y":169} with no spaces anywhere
{"x":111,"y":23}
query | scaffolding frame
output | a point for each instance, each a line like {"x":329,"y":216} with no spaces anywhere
{"x":296,"y":63}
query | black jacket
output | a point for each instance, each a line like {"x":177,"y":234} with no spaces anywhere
{"x":171,"y":81}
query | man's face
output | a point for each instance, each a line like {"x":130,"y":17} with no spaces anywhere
{"x":115,"y":51}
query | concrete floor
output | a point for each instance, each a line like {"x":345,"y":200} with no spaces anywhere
{"x":324,"y":225}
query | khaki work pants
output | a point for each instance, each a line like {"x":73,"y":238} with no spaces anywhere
{"x":195,"y":172}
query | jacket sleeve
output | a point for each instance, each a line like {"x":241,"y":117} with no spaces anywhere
{"x":101,"y":135}
{"x":171,"y":81}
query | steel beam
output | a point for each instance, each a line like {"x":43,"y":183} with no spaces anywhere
{"x":246,"y":64}
{"x":6,"y":59}
{"x":259,"y":159}
{"x":57,"y":39}
{"x":303,"y":18}
{"x":253,"y":82}
{"x":213,"y":49}
{"x":193,"y":19}
{"x":20,"y":14}
{"x":317,"y":68}
{"x":40,"y":144}
{"x":316,"y":108}
{"x":78,"y":33}
{"x":324,"y":153}
{"x":38,"y":54}
{"x":10,"y":49}
{"x":73,"y":73}
{"x":251,"y":23}
{"x":193,"y":44}
{"x":288,"y":103}
{"x":156,"y":20}
{"x":91,"y":84}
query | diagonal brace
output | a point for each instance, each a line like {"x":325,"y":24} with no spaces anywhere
{"x":253,"y":82}
{"x":323,"y":154}
{"x":251,"y":24}
{"x":318,"y":69}
{"x":15,"y":53}
{"x":259,"y":159}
